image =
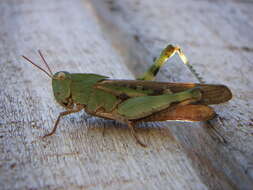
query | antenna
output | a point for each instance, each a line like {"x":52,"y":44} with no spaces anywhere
{"x":44,"y":61}
{"x":51,"y":76}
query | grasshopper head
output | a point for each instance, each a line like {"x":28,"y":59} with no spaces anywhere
{"x":61,"y":87}
{"x":60,"y":81}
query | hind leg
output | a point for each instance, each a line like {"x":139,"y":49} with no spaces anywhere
{"x":166,"y":54}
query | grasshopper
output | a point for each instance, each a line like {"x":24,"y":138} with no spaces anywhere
{"x":134,"y":101}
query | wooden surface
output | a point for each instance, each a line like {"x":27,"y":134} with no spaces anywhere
{"x":120,"y":39}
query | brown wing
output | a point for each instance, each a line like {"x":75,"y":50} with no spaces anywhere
{"x":211,"y":93}
{"x":182,"y":113}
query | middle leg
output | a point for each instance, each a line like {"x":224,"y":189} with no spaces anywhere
{"x":133,"y":132}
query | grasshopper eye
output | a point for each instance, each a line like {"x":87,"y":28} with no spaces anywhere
{"x":61,"y":76}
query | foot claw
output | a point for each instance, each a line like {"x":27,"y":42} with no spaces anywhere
{"x":141,"y":143}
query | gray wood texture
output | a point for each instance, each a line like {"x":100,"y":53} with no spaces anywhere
{"x":120,"y":39}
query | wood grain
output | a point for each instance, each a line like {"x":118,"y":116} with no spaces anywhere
{"x":120,"y":39}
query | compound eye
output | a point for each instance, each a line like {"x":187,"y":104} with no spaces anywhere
{"x":61,"y":75}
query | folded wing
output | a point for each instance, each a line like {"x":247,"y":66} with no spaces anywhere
{"x":211,"y":93}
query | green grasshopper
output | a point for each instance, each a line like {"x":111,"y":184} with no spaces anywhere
{"x":134,"y":101}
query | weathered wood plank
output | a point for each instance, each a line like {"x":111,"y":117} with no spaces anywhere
{"x":116,"y":39}
{"x":217,"y":37}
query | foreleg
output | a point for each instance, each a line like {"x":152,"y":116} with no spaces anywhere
{"x":74,"y":110}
